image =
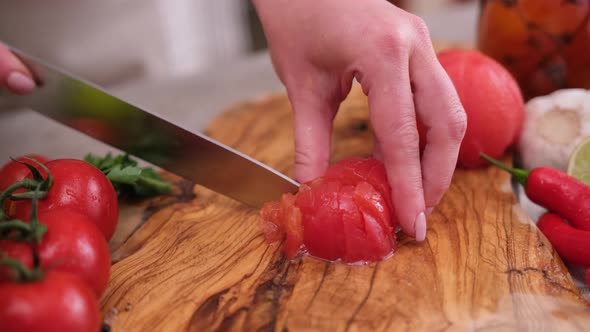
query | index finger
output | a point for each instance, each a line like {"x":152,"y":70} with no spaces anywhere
{"x":394,"y":124}
{"x":14,"y":76}
{"x":439,"y":108}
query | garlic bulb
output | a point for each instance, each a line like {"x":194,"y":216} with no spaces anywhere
{"x":554,"y":124}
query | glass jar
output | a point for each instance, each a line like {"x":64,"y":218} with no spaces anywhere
{"x":545,"y":44}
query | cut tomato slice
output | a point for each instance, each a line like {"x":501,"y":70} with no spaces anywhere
{"x":322,"y":220}
{"x":271,"y":223}
{"x":355,"y":237}
{"x":293,"y":227}
{"x":355,"y":170}
{"x":345,"y":215}
{"x":373,"y":203}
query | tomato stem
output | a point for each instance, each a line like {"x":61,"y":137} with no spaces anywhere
{"x":25,"y":183}
{"x":29,"y":184}
{"x":32,"y":232}
{"x":37,"y":234}
{"x":45,"y":183}
{"x":15,"y":225}
{"x":23,"y":274}
{"x":28,"y":195}
{"x":24,"y":232}
{"x":521,"y":175}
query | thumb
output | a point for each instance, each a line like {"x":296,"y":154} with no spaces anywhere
{"x":313,"y":116}
{"x":14,"y":76}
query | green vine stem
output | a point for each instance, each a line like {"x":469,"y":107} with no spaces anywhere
{"x":36,"y":231}
{"x":24,"y":184}
{"x":29,"y":184}
{"x":22,"y":272}
{"x":31,"y":232}
{"x":15,"y":225}
{"x":27,"y":195}
{"x":45,"y":182}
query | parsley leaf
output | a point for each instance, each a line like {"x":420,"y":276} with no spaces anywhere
{"x":129,"y":179}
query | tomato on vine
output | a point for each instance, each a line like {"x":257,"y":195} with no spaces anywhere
{"x":55,"y":302}
{"x":15,"y":171}
{"x":71,"y":243}
{"x":79,"y":186}
{"x":57,"y":266}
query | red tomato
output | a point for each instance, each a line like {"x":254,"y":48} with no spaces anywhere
{"x":59,"y":302}
{"x":344,"y":215}
{"x":78,"y":185}
{"x":492,"y":101}
{"x":72,"y":244}
{"x":355,"y":170}
{"x":270,"y":217}
{"x":280,"y":218}
{"x":323,"y":229}
{"x":349,"y":222}
{"x":13,"y":172}
{"x":292,"y":224}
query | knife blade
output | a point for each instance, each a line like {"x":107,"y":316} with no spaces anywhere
{"x":146,"y":135}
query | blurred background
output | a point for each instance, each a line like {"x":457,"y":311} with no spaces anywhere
{"x":186,"y":60}
{"x":112,"y":42}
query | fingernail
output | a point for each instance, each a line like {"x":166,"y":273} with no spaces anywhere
{"x":19,"y":83}
{"x":420,"y":227}
{"x":429,"y":211}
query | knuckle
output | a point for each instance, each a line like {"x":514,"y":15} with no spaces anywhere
{"x":308,"y":165}
{"x":457,"y":124}
{"x":420,"y":28}
{"x":403,"y":131}
{"x":406,"y":130}
{"x":398,"y":39}
{"x":394,"y":42}
{"x":305,"y":157}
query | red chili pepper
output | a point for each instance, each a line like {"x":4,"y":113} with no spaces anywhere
{"x":556,"y":191}
{"x":572,"y":245}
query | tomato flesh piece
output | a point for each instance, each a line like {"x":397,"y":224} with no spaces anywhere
{"x":355,"y":170}
{"x":282,"y":221}
{"x":291,"y":216}
{"x":345,"y":215}
{"x":354,"y":227}
{"x":376,"y":218}
{"x":270,"y":223}
{"x":322,"y":220}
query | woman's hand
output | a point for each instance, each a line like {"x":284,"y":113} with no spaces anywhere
{"x":14,"y":76}
{"x":318,"y":47}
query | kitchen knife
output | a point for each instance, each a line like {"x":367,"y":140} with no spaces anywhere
{"x":91,"y":110}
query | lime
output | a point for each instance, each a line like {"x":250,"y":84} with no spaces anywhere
{"x":579,"y":161}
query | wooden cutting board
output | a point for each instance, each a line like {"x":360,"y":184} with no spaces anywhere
{"x":196,"y":261}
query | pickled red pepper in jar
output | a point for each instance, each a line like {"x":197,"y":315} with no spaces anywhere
{"x":545,"y":44}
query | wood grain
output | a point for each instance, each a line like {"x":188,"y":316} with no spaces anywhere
{"x":199,"y":263}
